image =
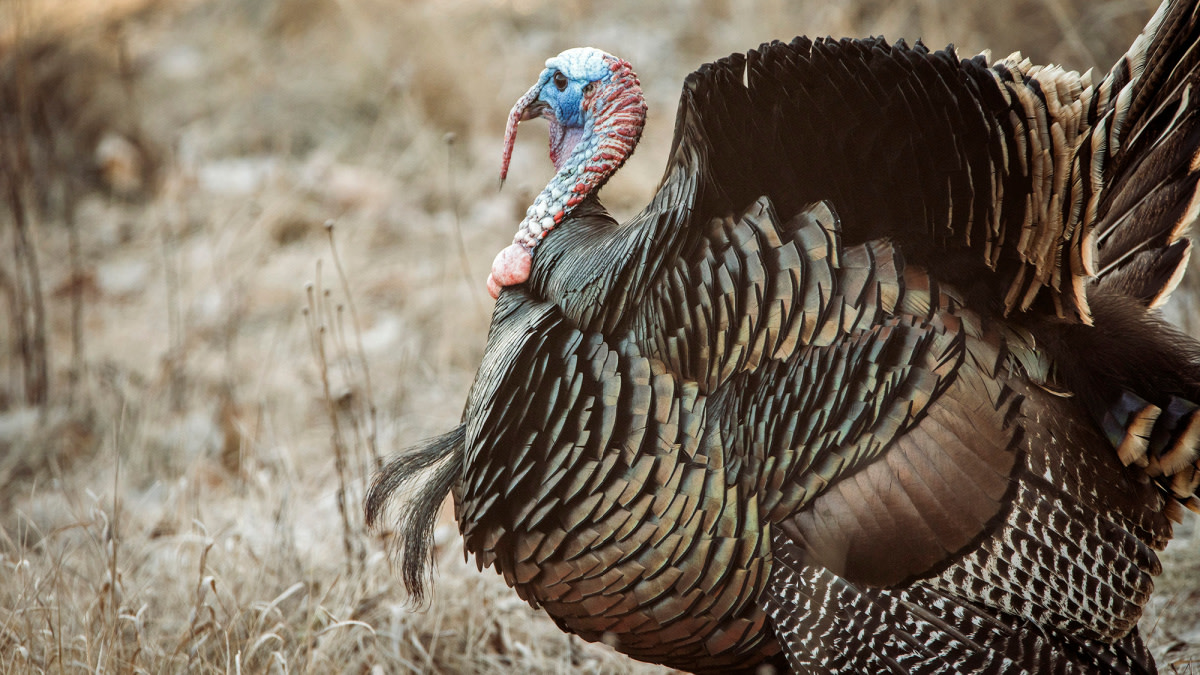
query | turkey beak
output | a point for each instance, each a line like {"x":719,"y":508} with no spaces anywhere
{"x":538,"y":109}
{"x":526,"y":108}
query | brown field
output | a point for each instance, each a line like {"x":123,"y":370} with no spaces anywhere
{"x":194,"y":389}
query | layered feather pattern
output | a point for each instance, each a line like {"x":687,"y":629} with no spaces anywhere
{"x":873,"y":384}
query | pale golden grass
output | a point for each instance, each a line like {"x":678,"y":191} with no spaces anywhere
{"x":181,"y":513}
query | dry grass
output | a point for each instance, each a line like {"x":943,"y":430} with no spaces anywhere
{"x":184,"y":496}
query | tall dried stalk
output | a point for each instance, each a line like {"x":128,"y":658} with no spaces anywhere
{"x":352,"y":413}
{"x":176,"y":376}
{"x":372,"y":429}
{"x":75,"y":260}
{"x":318,"y":314}
{"x":17,"y":171}
{"x":465,"y":263}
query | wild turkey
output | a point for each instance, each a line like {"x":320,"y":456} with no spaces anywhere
{"x":873,"y":384}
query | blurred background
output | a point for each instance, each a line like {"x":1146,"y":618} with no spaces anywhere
{"x":197,"y":375}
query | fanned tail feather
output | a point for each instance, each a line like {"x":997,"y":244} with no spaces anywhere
{"x":444,"y":456}
{"x":1151,"y":131}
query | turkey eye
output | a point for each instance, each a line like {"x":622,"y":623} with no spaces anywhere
{"x":560,"y":81}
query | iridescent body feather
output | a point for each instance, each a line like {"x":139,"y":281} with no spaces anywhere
{"x":874,"y":383}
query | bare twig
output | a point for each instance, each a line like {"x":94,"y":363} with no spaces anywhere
{"x":113,"y":546}
{"x":372,"y":436}
{"x":316,"y":314}
{"x":16,"y":170}
{"x":472,"y":288}
{"x":77,"y":371}
{"x":175,"y":349}
{"x":201,"y":621}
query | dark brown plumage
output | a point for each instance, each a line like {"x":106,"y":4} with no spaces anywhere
{"x":874,"y":383}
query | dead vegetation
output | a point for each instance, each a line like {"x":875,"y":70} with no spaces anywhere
{"x":194,"y":389}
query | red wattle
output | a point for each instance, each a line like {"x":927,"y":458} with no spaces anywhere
{"x":510,"y":267}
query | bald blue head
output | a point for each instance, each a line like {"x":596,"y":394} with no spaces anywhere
{"x":593,"y":104}
{"x":566,"y":76}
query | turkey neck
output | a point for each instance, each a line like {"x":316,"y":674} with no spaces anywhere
{"x":577,"y":268}
{"x":613,"y":112}
{"x":595,"y":270}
